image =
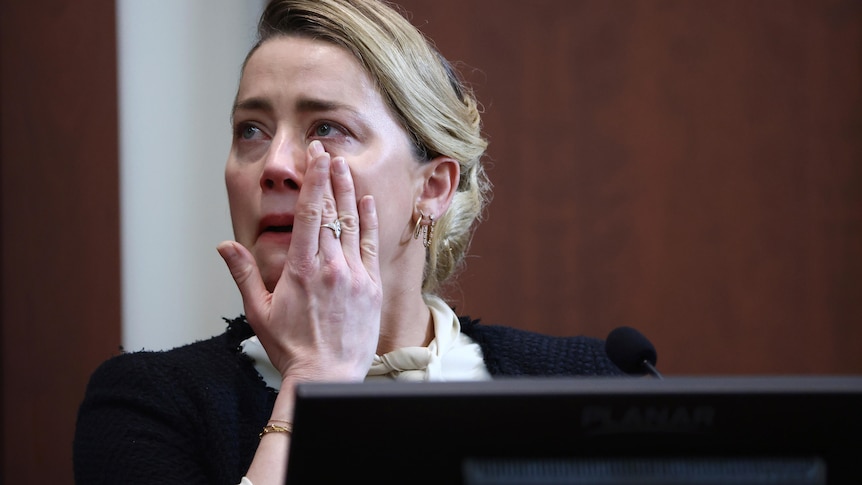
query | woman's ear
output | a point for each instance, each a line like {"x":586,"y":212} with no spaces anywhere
{"x":442,"y":175}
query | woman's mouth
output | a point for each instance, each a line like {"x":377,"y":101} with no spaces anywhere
{"x":278,"y":229}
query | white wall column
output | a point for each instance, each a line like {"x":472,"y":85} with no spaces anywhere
{"x":179,"y":64}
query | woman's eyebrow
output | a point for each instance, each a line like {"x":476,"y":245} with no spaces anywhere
{"x":311,"y":105}
{"x":252,"y":104}
{"x":304,"y":105}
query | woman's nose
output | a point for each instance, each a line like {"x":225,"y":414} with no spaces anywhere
{"x":284,"y":167}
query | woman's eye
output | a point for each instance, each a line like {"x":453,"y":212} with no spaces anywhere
{"x":326,"y":130}
{"x":247,"y":132}
{"x":323,"y":129}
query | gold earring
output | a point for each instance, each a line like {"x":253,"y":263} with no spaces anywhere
{"x":427,"y":232}
{"x":418,"y":228}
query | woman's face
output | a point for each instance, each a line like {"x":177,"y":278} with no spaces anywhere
{"x":294,"y":90}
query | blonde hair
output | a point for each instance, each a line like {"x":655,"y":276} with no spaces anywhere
{"x":437,"y":110}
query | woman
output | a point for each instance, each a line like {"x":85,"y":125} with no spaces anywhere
{"x":354,"y":181}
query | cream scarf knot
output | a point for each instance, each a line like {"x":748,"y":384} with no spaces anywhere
{"x":451,"y":356}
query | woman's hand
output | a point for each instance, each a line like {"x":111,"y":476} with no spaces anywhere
{"x":322,"y":319}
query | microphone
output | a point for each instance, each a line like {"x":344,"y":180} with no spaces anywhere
{"x":631,"y":351}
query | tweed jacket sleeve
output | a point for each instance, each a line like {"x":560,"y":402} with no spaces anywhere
{"x":190,"y":415}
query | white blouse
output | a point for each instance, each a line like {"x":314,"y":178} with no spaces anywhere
{"x":451,"y":356}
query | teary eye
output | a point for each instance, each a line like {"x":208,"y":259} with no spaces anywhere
{"x":328,"y":132}
{"x":248,"y":132}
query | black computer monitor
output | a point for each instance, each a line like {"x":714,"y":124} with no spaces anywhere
{"x":785,"y":430}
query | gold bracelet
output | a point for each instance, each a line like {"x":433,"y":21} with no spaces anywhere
{"x":274,"y":428}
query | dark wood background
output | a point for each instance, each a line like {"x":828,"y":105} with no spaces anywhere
{"x":61,"y":226}
{"x":690,"y":168}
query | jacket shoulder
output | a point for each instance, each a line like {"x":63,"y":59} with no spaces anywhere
{"x":514,"y":351}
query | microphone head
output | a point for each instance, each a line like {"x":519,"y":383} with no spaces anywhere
{"x":629,"y":349}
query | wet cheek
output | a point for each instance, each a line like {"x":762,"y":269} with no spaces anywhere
{"x":240,"y":192}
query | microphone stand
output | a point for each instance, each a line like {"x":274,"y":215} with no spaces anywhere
{"x":652,"y":370}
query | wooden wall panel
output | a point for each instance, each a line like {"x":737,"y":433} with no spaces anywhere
{"x":693,"y":169}
{"x":60,"y":219}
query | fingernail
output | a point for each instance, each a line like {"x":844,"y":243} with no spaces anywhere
{"x":368,"y":204}
{"x":315,"y":148}
{"x":339,"y":166}
{"x":226,"y":250}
